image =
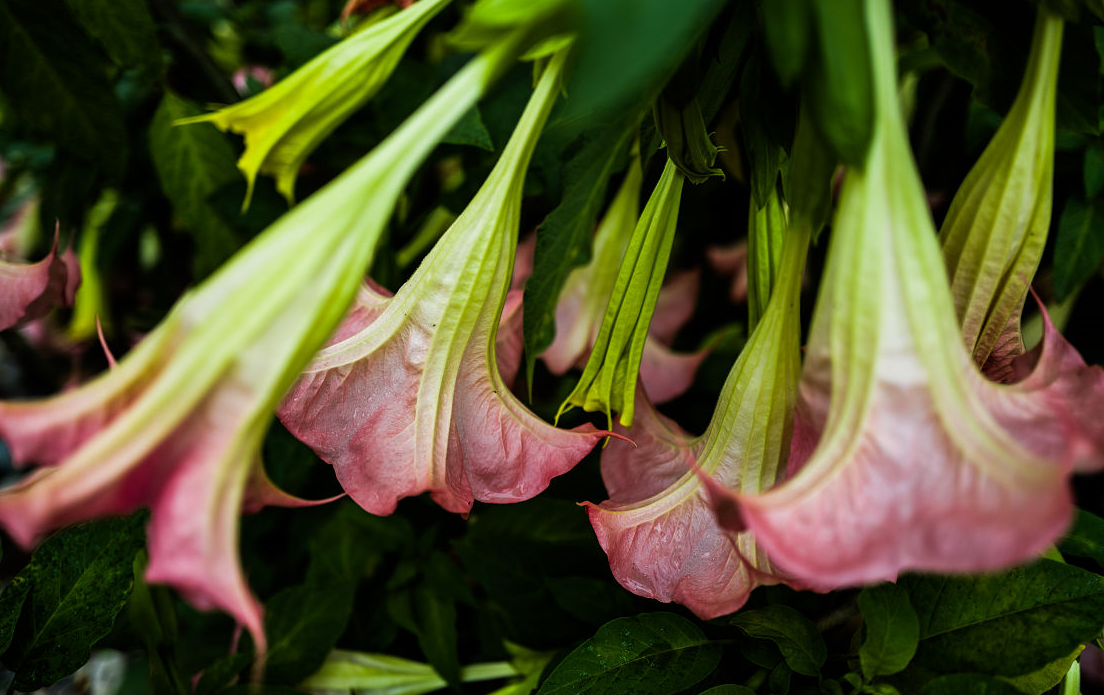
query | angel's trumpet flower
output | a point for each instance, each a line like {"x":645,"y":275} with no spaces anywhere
{"x":609,"y":379}
{"x":921,"y":462}
{"x":992,"y":240}
{"x":177,"y":426}
{"x":413,"y":400}
{"x":996,"y":228}
{"x":29,"y":290}
{"x":657,"y":527}
{"x":285,"y":123}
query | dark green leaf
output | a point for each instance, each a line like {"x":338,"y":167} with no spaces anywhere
{"x":962,"y":683}
{"x":1005,"y":624}
{"x":722,"y":63}
{"x":796,"y":636}
{"x":762,"y":113}
{"x":1079,"y":247}
{"x":1085,"y":538}
{"x":788,"y":26}
{"x":628,"y":48}
{"x":563,"y":240}
{"x":1093,"y":170}
{"x":220,"y":674}
{"x":303,"y":624}
{"x":435,"y":612}
{"x":1078,"y":101}
{"x":153,"y":616}
{"x":728,"y":690}
{"x":50,"y":75}
{"x":650,"y":654}
{"x":124,"y":28}
{"x":840,"y":87}
{"x":79,"y":580}
{"x":192,"y":162}
{"x":470,"y":130}
{"x":892,"y":630}
{"x":1042,"y":680}
{"x":258,"y":689}
{"x":11,"y":606}
{"x":779,"y":679}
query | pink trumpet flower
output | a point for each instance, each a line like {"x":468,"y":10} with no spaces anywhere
{"x":658,"y":527}
{"x":921,"y":463}
{"x":29,"y":290}
{"x":414,"y":400}
{"x":177,"y":426}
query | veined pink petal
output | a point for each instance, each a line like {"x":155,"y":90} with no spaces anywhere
{"x":666,"y":374}
{"x":29,"y":290}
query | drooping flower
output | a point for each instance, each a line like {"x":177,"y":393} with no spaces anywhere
{"x":177,"y":426}
{"x":658,"y":527}
{"x":283,"y":124}
{"x":920,"y":462}
{"x":413,"y":401}
{"x":609,"y":379}
{"x":996,"y":228}
{"x":29,"y":290}
{"x":586,"y":292}
{"x":993,"y":238}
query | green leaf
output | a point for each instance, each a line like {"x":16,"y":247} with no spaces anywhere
{"x":192,"y":162}
{"x":50,"y":76}
{"x":471,"y":131}
{"x":124,"y":28}
{"x":1093,"y":168}
{"x":153,"y":616}
{"x":973,"y":684}
{"x":11,"y":605}
{"x":728,"y":690}
{"x":1085,"y":538}
{"x":79,"y":580}
{"x":797,"y":638}
{"x":788,"y":27}
{"x":221,"y":673}
{"x":892,"y":630}
{"x":435,"y":613}
{"x":1042,"y":680}
{"x":1079,"y":247}
{"x":840,"y":87}
{"x":563,"y":239}
{"x":767,"y":128}
{"x":1005,"y":624}
{"x":650,"y":654}
{"x":303,"y":624}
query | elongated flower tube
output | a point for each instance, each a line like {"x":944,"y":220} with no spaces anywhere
{"x":658,"y":527}
{"x":586,"y":292}
{"x":609,"y":379}
{"x":283,"y":124}
{"x":996,"y":228}
{"x":414,"y":401}
{"x":177,"y":426}
{"x":766,"y":225}
{"x":29,"y":290}
{"x":921,"y":463}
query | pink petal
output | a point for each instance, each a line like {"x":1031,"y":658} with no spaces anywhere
{"x":666,"y":374}
{"x":510,"y":341}
{"x":658,"y":527}
{"x":29,"y":290}
{"x":732,"y":260}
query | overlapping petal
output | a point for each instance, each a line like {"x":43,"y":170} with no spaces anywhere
{"x":29,"y":290}
{"x":921,"y":463}
{"x":414,"y":401}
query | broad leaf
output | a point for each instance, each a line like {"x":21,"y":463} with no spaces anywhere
{"x":79,"y":581}
{"x":50,"y":76}
{"x":1085,"y":538}
{"x":1079,"y":247}
{"x":892,"y":630}
{"x":1005,"y":624}
{"x":969,"y":683}
{"x":303,"y":624}
{"x":728,"y":690}
{"x":192,"y":163}
{"x":797,"y":638}
{"x":650,"y":654}
{"x":124,"y":28}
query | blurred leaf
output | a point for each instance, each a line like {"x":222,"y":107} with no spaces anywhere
{"x":788,"y":26}
{"x":1093,"y":168}
{"x":628,"y":48}
{"x":50,"y":75}
{"x":192,"y":162}
{"x":124,"y":28}
{"x":303,"y":624}
{"x":892,"y":630}
{"x":470,"y":130}
{"x":767,"y":129}
{"x":79,"y":580}
{"x":1005,"y":624}
{"x":797,"y":638}
{"x":969,"y":683}
{"x":374,"y":673}
{"x":563,"y":239}
{"x":11,"y":605}
{"x":723,"y":58}
{"x":435,"y":613}
{"x":840,"y":86}
{"x":1079,"y":246}
{"x":153,"y":616}
{"x":650,"y":654}
{"x":728,"y":690}
{"x":779,"y":679}
{"x":1085,"y":538}
{"x":1078,"y":103}
{"x":220,"y":674}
